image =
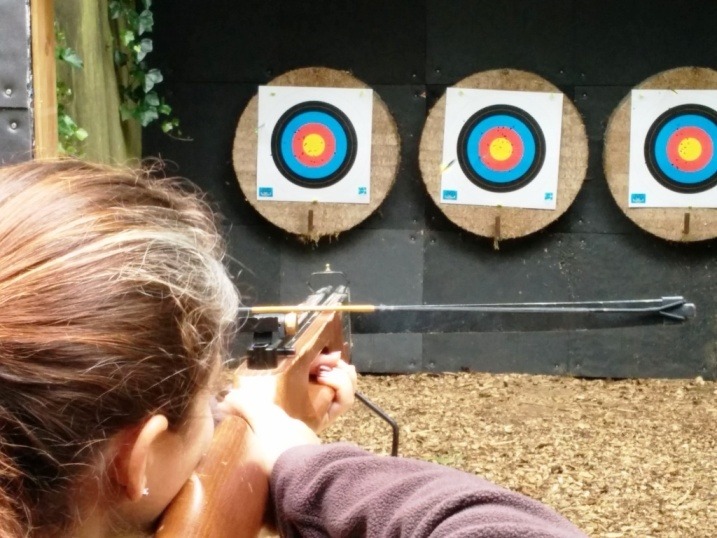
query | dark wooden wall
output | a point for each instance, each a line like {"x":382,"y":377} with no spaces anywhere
{"x":214,"y":55}
{"x":15,"y":113}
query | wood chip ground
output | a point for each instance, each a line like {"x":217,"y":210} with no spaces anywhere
{"x":624,"y":458}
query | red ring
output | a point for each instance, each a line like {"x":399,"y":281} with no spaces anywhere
{"x":297,"y":144}
{"x":484,"y":148}
{"x":673,"y":144}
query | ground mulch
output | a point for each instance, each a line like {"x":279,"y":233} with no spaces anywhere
{"x":619,"y":458}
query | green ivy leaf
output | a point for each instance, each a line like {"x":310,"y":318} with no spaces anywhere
{"x":127,"y":37}
{"x":115,"y":9}
{"x":148,"y":116}
{"x":143,"y":48}
{"x":126,"y":113}
{"x":167,"y":126}
{"x":120,"y":58}
{"x":63,"y":92}
{"x":145,"y":22}
{"x":81,"y":134}
{"x":132,"y":18}
{"x":147,"y":4}
{"x":152,"y":100}
{"x":66,"y":123}
{"x":152,"y":77}
{"x":70,"y":57}
{"x":165,"y":109}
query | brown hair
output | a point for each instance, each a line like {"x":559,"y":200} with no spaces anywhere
{"x":114,"y":304}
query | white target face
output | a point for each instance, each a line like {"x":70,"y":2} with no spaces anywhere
{"x":314,"y":144}
{"x":673,"y":148}
{"x":501,"y":148}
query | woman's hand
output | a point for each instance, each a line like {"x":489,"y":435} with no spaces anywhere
{"x":330,"y":370}
{"x":274,"y":431}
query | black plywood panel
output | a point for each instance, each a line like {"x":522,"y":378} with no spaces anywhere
{"x":254,"y":262}
{"x":622,"y":42}
{"x":596,"y":104}
{"x":14,"y":54}
{"x":209,"y":114}
{"x":640,"y":266}
{"x":382,"y":266}
{"x":15,"y":117}
{"x":458,"y":269}
{"x":535,"y":353}
{"x":387,"y":353}
{"x":15,"y":135}
{"x":465,"y":36}
{"x":609,"y":266}
{"x":253,"y":41}
{"x":667,"y":351}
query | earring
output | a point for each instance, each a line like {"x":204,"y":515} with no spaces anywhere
{"x":145,"y":492}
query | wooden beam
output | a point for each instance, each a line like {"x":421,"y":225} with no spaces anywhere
{"x":44,"y":78}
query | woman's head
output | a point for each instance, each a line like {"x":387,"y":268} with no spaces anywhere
{"x":114,"y":306}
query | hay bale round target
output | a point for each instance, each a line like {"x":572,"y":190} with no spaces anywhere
{"x":312,"y":220}
{"x":684,"y":224}
{"x":500,"y":222}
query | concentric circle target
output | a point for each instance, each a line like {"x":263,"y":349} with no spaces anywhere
{"x":501,"y":148}
{"x":680,"y":149}
{"x":314,"y":144}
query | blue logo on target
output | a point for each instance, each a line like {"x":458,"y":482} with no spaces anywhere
{"x":266,"y":192}
{"x":450,"y":195}
{"x":638,"y":198}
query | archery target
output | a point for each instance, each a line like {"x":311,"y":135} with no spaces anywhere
{"x":314,"y":144}
{"x":501,"y":148}
{"x":673,"y":135}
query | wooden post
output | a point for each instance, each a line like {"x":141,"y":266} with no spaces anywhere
{"x":44,"y":78}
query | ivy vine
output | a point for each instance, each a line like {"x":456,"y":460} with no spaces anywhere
{"x":140,"y":99}
{"x":70,"y":135}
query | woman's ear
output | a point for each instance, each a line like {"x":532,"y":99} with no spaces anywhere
{"x":134,"y":455}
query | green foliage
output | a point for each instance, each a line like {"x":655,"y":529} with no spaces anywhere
{"x":70,"y":135}
{"x":140,"y":100}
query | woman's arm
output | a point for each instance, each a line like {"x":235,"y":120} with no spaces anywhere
{"x":339,"y":491}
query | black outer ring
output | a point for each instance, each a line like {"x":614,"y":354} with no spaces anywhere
{"x":351,"y":143}
{"x":532,"y":126}
{"x":651,"y":161}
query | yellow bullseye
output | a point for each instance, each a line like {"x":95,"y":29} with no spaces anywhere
{"x":689,"y":149}
{"x":314,"y":145}
{"x":501,"y":149}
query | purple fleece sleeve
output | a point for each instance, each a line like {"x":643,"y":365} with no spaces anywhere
{"x":338,"y":490}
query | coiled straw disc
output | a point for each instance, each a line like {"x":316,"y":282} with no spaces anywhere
{"x":313,"y":220}
{"x":507,"y":222}
{"x":672,"y":223}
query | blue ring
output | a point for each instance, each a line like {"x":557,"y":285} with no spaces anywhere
{"x":662,"y":139}
{"x":346,"y":144}
{"x":655,"y":149}
{"x":500,"y":176}
{"x":287,"y":135}
{"x":524,"y":171}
